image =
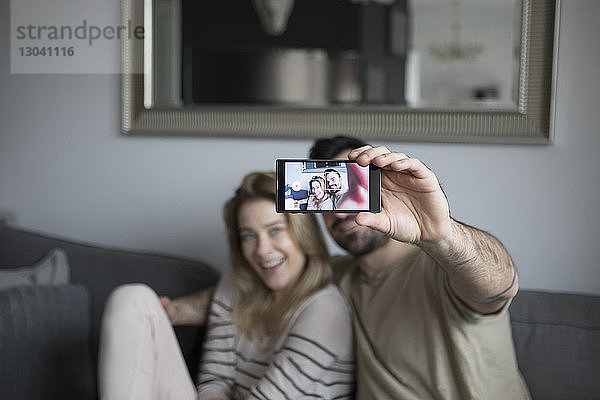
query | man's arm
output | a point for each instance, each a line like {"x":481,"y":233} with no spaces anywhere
{"x":188,"y":310}
{"x":480,"y":270}
{"x":415,"y":210}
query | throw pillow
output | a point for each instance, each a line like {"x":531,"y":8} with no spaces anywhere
{"x":53,"y":269}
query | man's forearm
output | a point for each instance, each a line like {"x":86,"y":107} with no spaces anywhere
{"x":480,"y":270}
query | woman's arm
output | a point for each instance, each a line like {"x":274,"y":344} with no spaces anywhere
{"x":317,"y":358}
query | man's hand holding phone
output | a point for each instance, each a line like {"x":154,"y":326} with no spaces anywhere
{"x":414,"y":208}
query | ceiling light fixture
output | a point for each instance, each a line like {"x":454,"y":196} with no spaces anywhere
{"x":456,"y":49}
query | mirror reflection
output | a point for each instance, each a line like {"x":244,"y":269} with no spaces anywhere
{"x":313,"y":53}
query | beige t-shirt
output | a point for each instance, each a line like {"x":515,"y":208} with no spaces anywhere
{"x":416,"y":340}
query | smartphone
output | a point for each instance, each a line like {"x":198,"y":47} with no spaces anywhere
{"x":321,"y":186}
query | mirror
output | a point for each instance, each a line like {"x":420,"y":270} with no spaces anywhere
{"x":419,"y":70}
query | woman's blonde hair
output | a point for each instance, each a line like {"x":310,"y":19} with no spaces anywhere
{"x":255,"y":298}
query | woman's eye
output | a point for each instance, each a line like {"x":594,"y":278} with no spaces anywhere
{"x":276,"y":230}
{"x":246,"y":237}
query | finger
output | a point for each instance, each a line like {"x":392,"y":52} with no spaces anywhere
{"x":412,"y":166}
{"x":366,"y":157}
{"x":375,"y":221}
{"x":356,"y":152}
{"x":385,"y":160}
{"x":164,"y":301}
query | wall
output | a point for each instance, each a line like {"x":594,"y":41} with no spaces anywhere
{"x":65,"y":169}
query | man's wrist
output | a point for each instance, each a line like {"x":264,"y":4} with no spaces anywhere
{"x":445,"y":245}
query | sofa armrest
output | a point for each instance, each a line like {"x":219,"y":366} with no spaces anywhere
{"x":45,"y":349}
{"x":557,"y":341}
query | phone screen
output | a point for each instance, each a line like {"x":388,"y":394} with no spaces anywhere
{"x":327,"y":186}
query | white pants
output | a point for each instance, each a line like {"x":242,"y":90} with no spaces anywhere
{"x":139,"y":354}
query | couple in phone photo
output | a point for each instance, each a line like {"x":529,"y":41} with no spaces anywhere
{"x":336,"y":192}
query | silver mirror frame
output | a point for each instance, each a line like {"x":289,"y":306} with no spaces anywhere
{"x":531,"y":123}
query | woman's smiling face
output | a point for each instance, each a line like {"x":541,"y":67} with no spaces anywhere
{"x":268,"y":247}
{"x":317,"y":189}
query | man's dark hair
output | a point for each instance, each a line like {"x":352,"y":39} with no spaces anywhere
{"x":324,"y":149}
{"x":330,"y":170}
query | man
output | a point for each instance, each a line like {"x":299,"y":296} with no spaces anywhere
{"x":429,"y":294}
{"x":334,"y":186}
{"x":333,"y":179}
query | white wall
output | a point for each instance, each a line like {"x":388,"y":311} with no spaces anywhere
{"x":65,"y":169}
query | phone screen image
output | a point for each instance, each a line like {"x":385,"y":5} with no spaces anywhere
{"x":326,"y":186}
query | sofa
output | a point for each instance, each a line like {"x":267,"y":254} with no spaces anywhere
{"x":49,"y":330}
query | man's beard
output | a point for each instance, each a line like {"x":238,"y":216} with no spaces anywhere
{"x":362,"y":242}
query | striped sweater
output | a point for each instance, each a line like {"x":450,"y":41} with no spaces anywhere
{"x":313,"y":358}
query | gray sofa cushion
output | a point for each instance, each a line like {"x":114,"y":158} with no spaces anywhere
{"x":44,"y":343}
{"x":557,"y":339}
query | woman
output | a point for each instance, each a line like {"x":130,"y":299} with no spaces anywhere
{"x":318,"y":199}
{"x":277,"y":328}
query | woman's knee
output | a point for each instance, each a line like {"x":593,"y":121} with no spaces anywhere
{"x":132,"y":295}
